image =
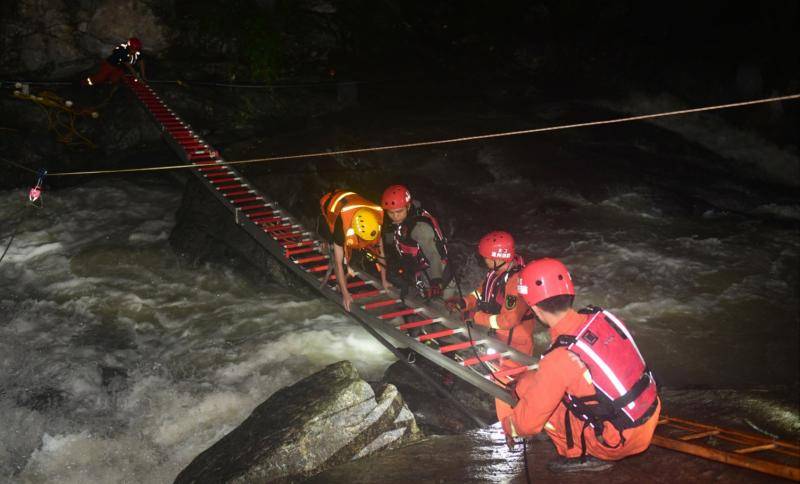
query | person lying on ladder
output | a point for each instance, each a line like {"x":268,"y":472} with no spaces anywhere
{"x":351,"y":222}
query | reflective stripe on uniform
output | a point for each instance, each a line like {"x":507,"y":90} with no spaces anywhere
{"x":603,"y":367}
{"x":353,"y":207}
{"x":338,"y":198}
{"x":493,"y":322}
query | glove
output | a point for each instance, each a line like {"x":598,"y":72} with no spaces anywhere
{"x":455,"y":304}
{"x":436,"y":289}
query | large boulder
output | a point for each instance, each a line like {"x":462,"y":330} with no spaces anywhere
{"x":326,"y":419}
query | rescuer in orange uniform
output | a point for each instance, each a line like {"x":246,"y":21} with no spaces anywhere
{"x":592,"y":393}
{"x":352,"y":222}
{"x":496,"y":304}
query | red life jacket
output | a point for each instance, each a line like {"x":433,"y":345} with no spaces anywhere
{"x":493,"y":294}
{"x":408,"y":247}
{"x":625,"y":390}
{"x":493,"y":291}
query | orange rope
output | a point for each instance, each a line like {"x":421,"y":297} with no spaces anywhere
{"x":450,"y":140}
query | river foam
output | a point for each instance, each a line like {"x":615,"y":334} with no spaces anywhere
{"x":118,"y":363}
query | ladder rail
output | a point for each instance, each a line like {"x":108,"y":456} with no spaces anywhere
{"x":285,"y":238}
{"x":176,"y":132}
{"x":745,"y":438}
{"x":747,"y":462}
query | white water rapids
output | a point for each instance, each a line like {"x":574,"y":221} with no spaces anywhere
{"x":119,"y":365}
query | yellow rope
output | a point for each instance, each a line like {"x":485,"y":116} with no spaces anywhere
{"x":55,"y":107}
{"x":449,"y":140}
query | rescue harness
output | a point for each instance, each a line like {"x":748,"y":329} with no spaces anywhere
{"x":414,"y":264}
{"x":625,"y":389}
{"x":492,"y":295}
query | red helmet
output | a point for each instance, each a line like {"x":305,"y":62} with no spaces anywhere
{"x":135,"y":44}
{"x":497,"y":245}
{"x":394,"y":197}
{"x":543,"y":279}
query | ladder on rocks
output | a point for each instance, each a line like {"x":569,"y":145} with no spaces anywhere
{"x":470,"y":354}
{"x":742,"y":449}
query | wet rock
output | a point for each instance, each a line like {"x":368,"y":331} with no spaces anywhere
{"x":326,"y":419}
{"x":119,"y":19}
{"x":58,"y":38}
{"x":41,"y":399}
{"x":434,"y":413}
{"x":481,"y":456}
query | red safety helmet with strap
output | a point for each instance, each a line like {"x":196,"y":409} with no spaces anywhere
{"x":497,"y":245}
{"x":135,"y":44}
{"x":543,"y":279}
{"x":394,"y":197}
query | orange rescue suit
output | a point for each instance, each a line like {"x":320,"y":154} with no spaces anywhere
{"x":344,"y":204}
{"x":513,"y":310}
{"x":511,"y":319}
{"x":540,"y":404}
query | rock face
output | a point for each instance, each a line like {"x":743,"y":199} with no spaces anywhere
{"x":57,"y":39}
{"x":433,"y":413}
{"x":329,"y":418}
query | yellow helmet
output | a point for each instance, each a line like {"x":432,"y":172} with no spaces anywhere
{"x":365,"y":223}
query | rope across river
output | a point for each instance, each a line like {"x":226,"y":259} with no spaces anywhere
{"x":463,"y":139}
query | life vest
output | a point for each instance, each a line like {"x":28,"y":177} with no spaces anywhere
{"x":493,"y":291}
{"x":625,"y":389}
{"x":340,"y":203}
{"x":409,"y":248}
{"x":492,"y":296}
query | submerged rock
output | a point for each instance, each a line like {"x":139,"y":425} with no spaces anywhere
{"x":326,"y":419}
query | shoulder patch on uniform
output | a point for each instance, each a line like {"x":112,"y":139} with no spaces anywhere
{"x":511,"y":302}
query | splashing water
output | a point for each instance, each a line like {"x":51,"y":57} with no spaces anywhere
{"x":118,"y":364}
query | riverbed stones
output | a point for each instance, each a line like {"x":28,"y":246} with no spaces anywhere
{"x":326,"y":419}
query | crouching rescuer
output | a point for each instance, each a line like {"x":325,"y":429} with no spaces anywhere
{"x":123,"y":60}
{"x":420,"y":245}
{"x":351,"y":222}
{"x":496,"y":305}
{"x":593,"y":393}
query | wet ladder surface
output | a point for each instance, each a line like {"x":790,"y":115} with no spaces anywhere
{"x":469,"y":354}
{"x":472,"y":355}
{"x":757,"y":452}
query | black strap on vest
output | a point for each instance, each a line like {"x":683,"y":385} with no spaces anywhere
{"x":597,"y":409}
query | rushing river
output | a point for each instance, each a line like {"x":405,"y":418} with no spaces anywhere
{"x":117,"y":364}
{"x":120,"y":364}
